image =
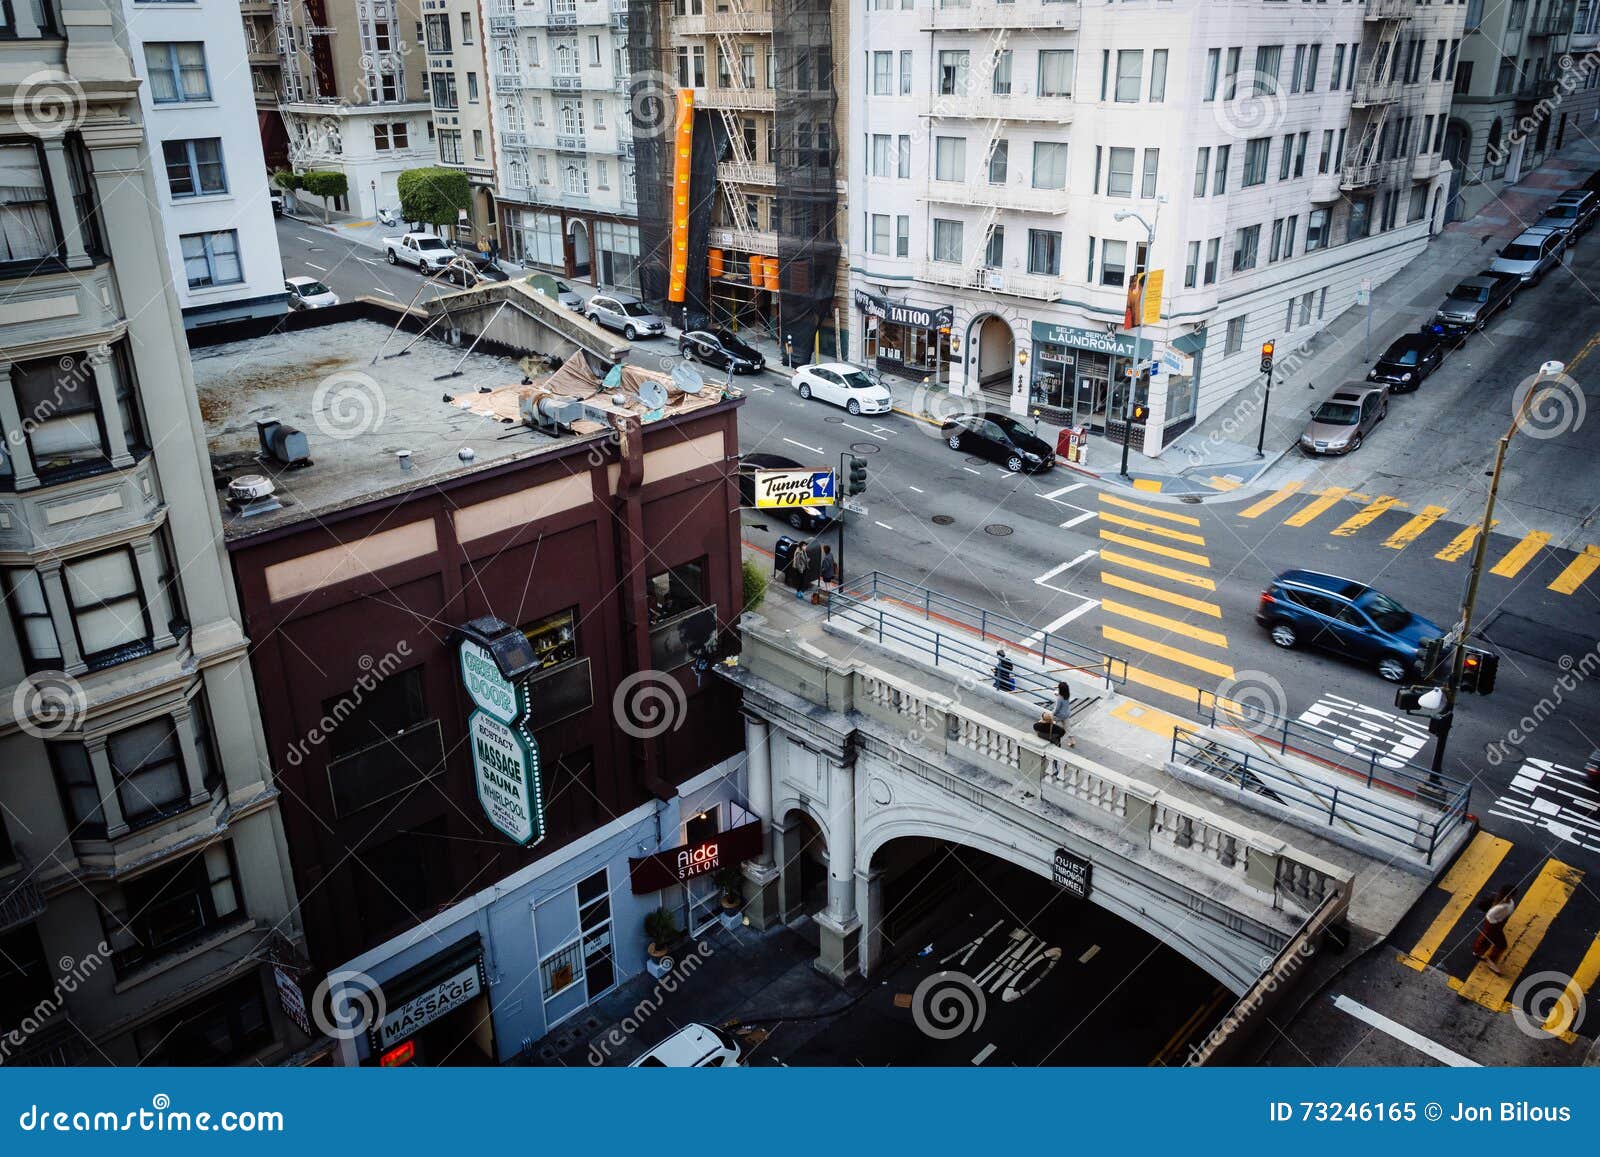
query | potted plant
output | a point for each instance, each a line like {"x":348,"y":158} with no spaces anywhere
{"x":731,"y":881}
{"x":662,"y":931}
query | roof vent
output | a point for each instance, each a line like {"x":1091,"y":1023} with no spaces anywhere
{"x":283,"y":444}
{"x":251,"y":494}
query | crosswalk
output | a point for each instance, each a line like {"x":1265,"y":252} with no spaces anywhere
{"x":1425,"y":529}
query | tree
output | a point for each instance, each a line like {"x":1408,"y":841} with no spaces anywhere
{"x":326,"y":184}
{"x":434,"y":194}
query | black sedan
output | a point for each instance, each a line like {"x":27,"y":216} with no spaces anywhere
{"x":1408,"y":361}
{"x":999,"y":438}
{"x":481,"y":264}
{"x":809,"y":519}
{"x":719,"y":348}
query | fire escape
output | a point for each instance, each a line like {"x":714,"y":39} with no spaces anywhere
{"x":1377,"y":106}
{"x":737,"y":95}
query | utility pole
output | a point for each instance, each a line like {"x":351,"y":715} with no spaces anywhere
{"x":1458,"y":652}
{"x":1138,"y":329}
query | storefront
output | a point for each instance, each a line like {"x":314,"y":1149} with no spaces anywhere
{"x":909,"y":341}
{"x":1080,"y":377}
{"x":714,"y":846}
{"x":436,"y":1013}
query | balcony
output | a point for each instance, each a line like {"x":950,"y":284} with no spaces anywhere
{"x":1550,"y":22}
{"x":1390,"y":9}
{"x":561,"y":20}
{"x":1064,"y":15}
{"x":988,"y":106}
{"x":736,"y":22}
{"x":572,"y":143}
{"x":20,"y":899}
{"x":503,"y":25}
{"x":974,"y":277}
{"x":739,"y":99}
{"x":506,"y":82}
{"x":747,"y":173}
{"x":1427,"y":166}
{"x":566,"y":81}
{"x":1016,"y":198}
{"x":1365,"y":175}
{"x":1369,"y":92}
{"x":744,"y":240}
{"x":514,"y":140}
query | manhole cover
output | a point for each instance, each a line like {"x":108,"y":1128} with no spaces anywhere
{"x":1190,"y":498}
{"x":998,"y":529}
{"x":864,"y":447}
{"x":974,"y":460}
{"x":943,"y":519}
{"x":834,"y":421}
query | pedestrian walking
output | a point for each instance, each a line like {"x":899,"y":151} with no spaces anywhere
{"x":829,"y":567}
{"x":1048,"y":729}
{"x":800,"y":570}
{"x":1061,"y":711}
{"x":1491,"y":943}
{"x":1005,"y":672}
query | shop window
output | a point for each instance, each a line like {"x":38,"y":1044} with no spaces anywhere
{"x":173,"y":906}
{"x":561,"y":970}
{"x":223,"y":1027}
{"x":381,"y":739}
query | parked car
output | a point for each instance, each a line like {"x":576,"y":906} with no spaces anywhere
{"x":999,"y":438}
{"x":276,"y":197}
{"x":1531,"y":255}
{"x":556,"y":288}
{"x":694,"y":1046}
{"x":1409,"y":360}
{"x":1471,"y":304}
{"x":1573,"y":213}
{"x":844,"y":385}
{"x":422,"y":251}
{"x":627,"y":315}
{"x":308,"y":293}
{"x":481,"y":267}
{"x":1347,"y":618}
{"x":719,"y":348}
{"x":809,"y":519}
{"x":1345,"y":418}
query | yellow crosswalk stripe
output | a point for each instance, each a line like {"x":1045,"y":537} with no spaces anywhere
{"x":1112,"y":579}
{"x":1518,"y":556}
{"x":1577,"y":572}
{"x":1223,"y":483}
{"x":1257,"y":509}
{"x":1415,"y":528}
{"x":1149,"y":484}
{"x":1176,"y":626}
{"x":1465,"y":879}
{"x":1461,"y":543}
{"x":1166,"y":572}
{"x":1171,"y":654}
{"x":1535,"y":912}
{"x":1309,"y":511}
{"x":1155,"y":548}
{"x":1145,"y":716}
{"x":1156,"y":511}
{"x":1152,"y":528}
{"x":1565,"y":1011}
{"x":1161,"y":683}
{"x":1366,"y":516}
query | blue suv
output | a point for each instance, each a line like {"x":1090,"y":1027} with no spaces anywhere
{"x":1346,"y":617}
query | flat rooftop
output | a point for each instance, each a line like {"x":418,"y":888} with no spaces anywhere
{"x":358,"y":417}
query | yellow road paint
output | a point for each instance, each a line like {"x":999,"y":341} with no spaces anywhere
{"x":1171,"y":654}
{"x":1415,"y":528}
{"x":1535,"y":912}
{"x":1150,"y":485}
{"x":1577,"y":572}
{"x":1520,"y":555}
{"x":1166,"y":572}
{"x":1461,"y":543}
{"x":1565,"y":1011}
{"x":1161,"y":683}
{"x":1465,"y":879}
{"x":1152,"y":719}
{"x":1155,"y":548}
{"x":1309,"y":511}
{"x":1113,"y":500}
{"x":1176,"y":626}
{"x":1257,"y":509}
{"x":1152,"y":528}
{"x":1218,"y":482}
{"x":1187,"y":603}
{"x":1368,"y":514}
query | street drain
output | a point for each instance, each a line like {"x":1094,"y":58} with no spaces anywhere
{"x":864,"y":447}
{"x":943,"y":519}
{"x":1189,"y":498}
{"x":834,"y":421}
{"x":998,"y":529}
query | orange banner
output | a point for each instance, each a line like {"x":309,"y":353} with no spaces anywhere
{"x":678,"y":277}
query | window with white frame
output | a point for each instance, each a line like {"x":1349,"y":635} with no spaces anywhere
{"x":950,"y":158}
{"x":1049,"y":165}
{"x":946,"y":240}
{"x":574,"y":178}
{"x":1130,"y":74}
{"x":1044,"y":252}
{"x":194,"y":167}
{"x":177,"y":71}
{"x":1234,"y":342}
{"x":1119,"y":173}
{"x":1113,"y":262}
{"x":211,"y":259}
{"x":1255,"y":161}
{"x":953,"y":72}
{"x":878,"y":228}
{"x":1055,"y":72}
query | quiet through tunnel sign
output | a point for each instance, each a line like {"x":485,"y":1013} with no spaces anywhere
{"x":1071,"y":873}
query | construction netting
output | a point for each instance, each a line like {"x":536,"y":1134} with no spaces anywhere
{"x":652,"y":99}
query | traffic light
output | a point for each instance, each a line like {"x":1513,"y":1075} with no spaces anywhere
{"x":1266,"y":356}
{"x":1411,"y":698}
{"x":1478,"y":670}
{"x":858,"y":476}
{"x":1430,"y":658}
{"x":1139,"y":412}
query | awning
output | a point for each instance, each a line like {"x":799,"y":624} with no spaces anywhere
{"x":899,"y":313}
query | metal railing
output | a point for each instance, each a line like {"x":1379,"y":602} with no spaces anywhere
{"x":20,"y":898}
{"x":1361,"y":813}
{"x":990,"y":627}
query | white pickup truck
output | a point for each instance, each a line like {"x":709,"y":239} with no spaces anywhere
{"x":423,"y":250}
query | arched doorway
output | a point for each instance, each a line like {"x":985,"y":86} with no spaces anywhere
{"x":801,"y":849}
{"x":1457,"y":147}
{"x":991,"y":351}
{"x":580,"y":248}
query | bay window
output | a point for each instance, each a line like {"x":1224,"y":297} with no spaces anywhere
{"x":27,"y":225}
{"x":172,"y":906}
{"x":108,"y":606}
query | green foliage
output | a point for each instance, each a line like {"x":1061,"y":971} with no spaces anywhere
{"x":325,"y":184}
{"x":286,"y":179}
{"x":755,"y":584}
{"x":661,"y":926}
{"x":434,"y":194}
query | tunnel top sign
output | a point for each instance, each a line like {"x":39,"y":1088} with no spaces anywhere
{"x":1071,"y":873}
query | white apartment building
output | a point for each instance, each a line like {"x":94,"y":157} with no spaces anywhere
{"x":564,"y":138}
{"x":1283,"y":154}
{"x":459,"y":86}
{"x":201,"y":116}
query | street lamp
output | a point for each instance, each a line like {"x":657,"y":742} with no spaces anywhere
{"x":1138,"y":330}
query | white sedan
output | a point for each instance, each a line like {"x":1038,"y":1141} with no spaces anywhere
{"x":309,"y":293}
{"x":844,"y":385}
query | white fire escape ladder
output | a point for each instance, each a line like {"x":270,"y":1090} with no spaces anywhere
{"x":973,"y":259}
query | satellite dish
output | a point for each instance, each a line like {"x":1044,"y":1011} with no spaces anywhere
{"x":687,"y":379}
{"x":652,"y":394}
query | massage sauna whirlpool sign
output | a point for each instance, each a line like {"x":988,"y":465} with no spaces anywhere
{"x":505,"y":758}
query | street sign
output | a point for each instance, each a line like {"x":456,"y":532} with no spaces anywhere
{"x":854,"y":505}
{"x":790,"y":488}
{"x":505,"y":765}
{"x":489,"y":690}
{"x":1154,"y":283}
{"x":1071,"y":873}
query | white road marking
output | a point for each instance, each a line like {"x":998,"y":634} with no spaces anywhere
{"x":1050,"y":628}
{"x":868,"y":433}
{"x":1554,"y":798}
{"x":1404,"y":1035}
{"x":1054,"y":494}
{"x":763,"y":389}
{"x":970,"y":470}
{"x":307,"y":240}
{"x":1089,"y":955}
{"x":1357,"y":729}
{"x":1044,"y":579}
{"x":984,"y":1054}
{"x":914,"y":489}
{"x":1077,"y":518}
{"x":318,"y":268}
{"x":885,"y":525}
{"x":803,"y":446}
